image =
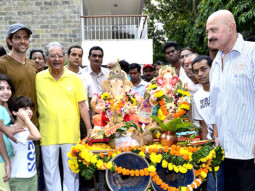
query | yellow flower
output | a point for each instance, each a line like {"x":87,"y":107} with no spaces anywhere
{"x":109,"y":165}
{"x":153,"y":157}
{"x":183,"y":188}
{"x":159,"y":94}
{"x":152,"y":86}
{"x":161,"y":116}
{"x":152,"y":168}
{"x":133,"y":101}
{"x":164,"y":163}
{"x":186,"y":93}
{"x":158,"y":158}
{"x":94,"y":159}
{"x":188,"y":166}
{"x":86,"y":155}
{"x":185,"y":107}
{"x":158,"y":135}
{"x":182,"y":169}
{"x":105,"y":95}
{"x":216,"y":168}
{"x":69,"y":155}
{"x":176,"y":169}
{"x":203,"y":174}
{"x":99,"y":163}
{"x":114,"y":154}
{"x":142,"y":154}
{"x":170,"y":166}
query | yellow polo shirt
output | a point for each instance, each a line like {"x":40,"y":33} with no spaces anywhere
{"x":59,"y":116}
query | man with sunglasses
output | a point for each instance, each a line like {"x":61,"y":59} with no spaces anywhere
{"x":61,"y":101}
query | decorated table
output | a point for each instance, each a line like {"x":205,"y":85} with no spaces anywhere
{"x":128,"y":127}
{"x":175,"y":160}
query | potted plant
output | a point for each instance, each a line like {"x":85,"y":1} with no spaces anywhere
{"x":169,"y":129}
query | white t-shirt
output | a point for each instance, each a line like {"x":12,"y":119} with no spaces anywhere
{"x":24,"y":160}
{"x":202,"y":109}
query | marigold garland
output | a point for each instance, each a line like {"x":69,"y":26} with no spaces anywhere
{"x":82,"y":158}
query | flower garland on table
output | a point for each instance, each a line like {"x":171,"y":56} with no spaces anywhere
{"x":178,"y":159}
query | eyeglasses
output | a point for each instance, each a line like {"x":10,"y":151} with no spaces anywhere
{"x":55,"y":56}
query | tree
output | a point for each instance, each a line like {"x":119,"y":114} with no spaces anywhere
{"x":185,"y":21}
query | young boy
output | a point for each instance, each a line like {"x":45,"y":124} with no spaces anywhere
{"x":23,"y":174}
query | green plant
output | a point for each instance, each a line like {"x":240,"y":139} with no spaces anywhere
{"x":175,"y":125}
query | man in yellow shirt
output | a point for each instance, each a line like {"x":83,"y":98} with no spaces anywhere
{"x":61,"y":101}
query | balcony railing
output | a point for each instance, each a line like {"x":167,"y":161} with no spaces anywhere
{"x":115,"y":27}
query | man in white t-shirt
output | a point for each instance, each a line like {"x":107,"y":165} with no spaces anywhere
{"x":201,"y":68}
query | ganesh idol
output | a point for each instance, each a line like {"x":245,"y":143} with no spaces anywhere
{"x":115,"y":106}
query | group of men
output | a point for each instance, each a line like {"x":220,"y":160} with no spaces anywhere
{"x":223,"y":90}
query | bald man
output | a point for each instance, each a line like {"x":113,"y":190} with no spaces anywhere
{"x":232,"y":92}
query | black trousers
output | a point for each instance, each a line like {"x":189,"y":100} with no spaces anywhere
{"x":239,"y":175}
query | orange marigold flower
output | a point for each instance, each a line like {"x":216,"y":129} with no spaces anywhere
{"x":178,"y":147}
{"x":192,"y":185}
{"x":197,"y":183}
{"x":127,"y":172}
{"x":101,"y":155}
{"x":132,"y":172}
{"x":146,"y":172}
{"x":115,"y":151}
{"x":120,"y":149}
{"x":136,"y":147}
{"x":141,"y":172}
{"x":116,"y":168}
{"x":166,"y":149}
{"x":190,"y":149}
{"x":173,"y":147}
{"x":155,"y":150}
{"x":103,"y":166}
{"x":186,"y":157}
{"x":119,"y":170}
{"x":165,"y":187}
{"x":143,"y":149}
{"x":155,"y":178}
{"x":172,"y":152}
{"x":158,"y":182}
{"x":73,"y":152}
{"x":160,"y":150}
{"x":153,"y":174}
{"x":109,"y":153}
{"x":124,"y":171}
{"x":162,"y":185}
{"x":150,"y":150}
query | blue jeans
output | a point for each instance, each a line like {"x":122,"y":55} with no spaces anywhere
{"x":216,"y":184}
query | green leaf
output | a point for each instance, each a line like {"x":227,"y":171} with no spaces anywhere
{"x":161,"y":124}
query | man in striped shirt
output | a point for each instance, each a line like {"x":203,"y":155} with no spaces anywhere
{"x":232,"y":93}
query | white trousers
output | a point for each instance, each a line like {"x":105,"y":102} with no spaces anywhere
{"x":50,"y":156}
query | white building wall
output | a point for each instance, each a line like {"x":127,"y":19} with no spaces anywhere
{"x":133,"y":51}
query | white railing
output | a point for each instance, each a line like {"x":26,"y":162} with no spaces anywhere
{"x":115,"y":27}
